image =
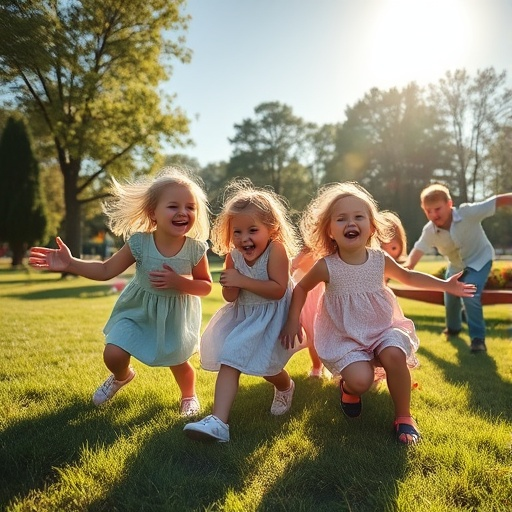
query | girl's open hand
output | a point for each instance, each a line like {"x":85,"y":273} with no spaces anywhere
{"x":52,"y":259}
{"x":458,"y":288}
{"x":291,"y":331}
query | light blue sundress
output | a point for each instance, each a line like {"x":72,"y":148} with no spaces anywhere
{"x":158,"y":327}
{"x":244,"y":334}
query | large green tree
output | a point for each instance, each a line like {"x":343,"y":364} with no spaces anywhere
{"x":265,"y":145}
{"x":22,"y":210}
{"x":392,"y":142}
{"x":87,"y":74}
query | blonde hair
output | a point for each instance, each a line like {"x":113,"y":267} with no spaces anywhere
{"x":396,"y":232}
{"x":241,"y":196}
{"x":316,"y":218}
{"x":435,"y":192}
{"x":132,"y":204}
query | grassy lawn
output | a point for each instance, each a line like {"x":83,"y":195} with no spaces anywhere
{"x":60,"y":453}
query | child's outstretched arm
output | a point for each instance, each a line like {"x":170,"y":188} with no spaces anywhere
{"x":426,"y":281}
{"x":278,"y":275}
{"x":61,"y":260}
{"x":200,"y":283}
{"x":292,"y":326}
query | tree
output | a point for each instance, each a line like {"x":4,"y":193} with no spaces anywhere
{"x":266,"y":145}
{"x":475,"y":112}
{"x":86,"y":72}
{"x":22,"y":211}
{"x":391,"y":142}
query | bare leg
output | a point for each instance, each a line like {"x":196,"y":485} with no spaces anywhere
{"x":281,"y":381}
{"x":226,"y":388}
{"x":315,"y":360}
{"x":399,"y":379}
{"x":357,"y":378}
{"x":117,"y":361}
{"x":185,"y":376}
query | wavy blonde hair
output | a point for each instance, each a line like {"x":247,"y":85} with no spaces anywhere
{"x":271,"y":209}
{"x":315,"y":220}
{"x":396,"y":232}
{"x":129,"y":211}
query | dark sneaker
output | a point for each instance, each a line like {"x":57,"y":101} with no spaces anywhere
{"x":478,"y":345}
{"x":451,"y":332}
{"x":350,"y":409}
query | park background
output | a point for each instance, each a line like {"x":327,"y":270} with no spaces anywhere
{"x":393,"y":94}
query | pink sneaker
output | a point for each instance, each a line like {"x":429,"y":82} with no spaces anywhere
{"x":110,"y":387}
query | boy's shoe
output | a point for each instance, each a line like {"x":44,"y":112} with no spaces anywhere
{"x":208,"y":429}
{"x":282,"y":400}
{"x":110,"y":387}
{"x":189,"y":406}
{"x":451,"y":332}
{"x":478,"y":345}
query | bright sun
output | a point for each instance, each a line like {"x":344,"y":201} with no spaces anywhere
{"x":417,"y":40}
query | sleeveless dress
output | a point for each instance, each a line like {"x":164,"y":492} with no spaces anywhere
{"x":244,"y":334}
{"x":158,"y":327}
{"x":359,"y":315}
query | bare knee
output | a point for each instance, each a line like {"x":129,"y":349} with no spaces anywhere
{"x":392,"y":357}
{"x":357,"y":377}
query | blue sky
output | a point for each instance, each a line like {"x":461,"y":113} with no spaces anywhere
{"x":319,"y":56}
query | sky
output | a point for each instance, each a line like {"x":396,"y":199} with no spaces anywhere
{"x":320,"y":56}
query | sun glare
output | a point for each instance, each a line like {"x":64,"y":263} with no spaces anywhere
{"x":416,"y":40}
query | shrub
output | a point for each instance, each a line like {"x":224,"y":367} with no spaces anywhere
{"x":499,"y":278}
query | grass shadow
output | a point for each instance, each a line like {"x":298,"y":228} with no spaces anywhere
{"x":488,"y":392}
{"x":34,"y":449}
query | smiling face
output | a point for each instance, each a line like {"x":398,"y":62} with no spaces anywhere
{"x":350,"y":224}
{"x":249,"y":235}
{"x":439,"y":212}
{"x":175,"y":211}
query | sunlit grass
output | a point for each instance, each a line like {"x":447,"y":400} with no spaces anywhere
{"x":59,"y":452}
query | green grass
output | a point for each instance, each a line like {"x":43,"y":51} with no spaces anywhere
{"x":60,"y":453}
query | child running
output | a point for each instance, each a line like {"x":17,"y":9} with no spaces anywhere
{"x":360,"y":323}
{"x":255,"y":234}
{"x":301,"y":264}
{"x":395,"y":244}
{"x":157,"y":317}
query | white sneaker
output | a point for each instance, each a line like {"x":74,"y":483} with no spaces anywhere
{"x":282,"y":400}
{"x":189,"y":406}
{"x":110,"y":387}
{"x":208,"y":429}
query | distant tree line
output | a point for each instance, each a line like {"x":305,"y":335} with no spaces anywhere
{"x":84,"y":76}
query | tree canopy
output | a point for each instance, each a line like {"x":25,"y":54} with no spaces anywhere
{"x":86,"y":73}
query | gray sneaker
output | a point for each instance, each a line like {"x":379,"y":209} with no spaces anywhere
{"x":282,"y":400}
{"x":478,"y":345}
{"x":208,"y":429}
{"x":110,"y":387}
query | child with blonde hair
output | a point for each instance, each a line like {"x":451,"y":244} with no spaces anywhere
{"x":254,"y":232}
{"x":360,"y":323}
{"x":396,"y":242}
{"x":157,"y":317}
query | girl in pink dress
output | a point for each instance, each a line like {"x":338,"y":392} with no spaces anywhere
{"x":360,"y":323}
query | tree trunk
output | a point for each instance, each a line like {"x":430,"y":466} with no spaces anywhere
{"x":18,"y":250}
{"x":73,"y":220}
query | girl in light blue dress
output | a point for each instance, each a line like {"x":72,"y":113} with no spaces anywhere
{"x":254,"y":233}
{"x":157,"y":318}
